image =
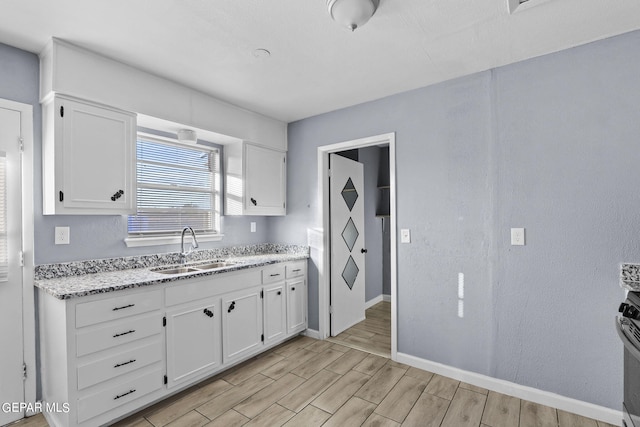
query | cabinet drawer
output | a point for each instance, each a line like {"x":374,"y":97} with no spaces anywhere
{"x":296,"y":269}
{"x":114,"y":396}
{"x":117,"y":333}
{"x":273,"y":273}
{"x":90,"y":313}
{"x":118,"y":364}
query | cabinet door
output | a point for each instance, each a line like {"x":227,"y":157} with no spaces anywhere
{"x":193,"y":341}
{"x":241,"y":323}
{"x":275,"y":313}
{"x":296,"y":306}
{"x":265,"y":175}
{"x":95,"y":158}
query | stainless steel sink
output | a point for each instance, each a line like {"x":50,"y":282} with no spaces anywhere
{"x":214,"y":265}
{"x":175,"y":270}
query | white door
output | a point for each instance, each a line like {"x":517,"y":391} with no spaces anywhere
{"x":11,"y":352}
{"x":346,"y":189}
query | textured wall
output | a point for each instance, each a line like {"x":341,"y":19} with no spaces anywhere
{"x":549,"y":144}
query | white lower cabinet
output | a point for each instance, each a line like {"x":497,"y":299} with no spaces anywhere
{"x":296,"y":305}
{"x":193,"y":341}
{"x":275,"y":313}
{"x":241,"y":323}
{"x":108,"y":355}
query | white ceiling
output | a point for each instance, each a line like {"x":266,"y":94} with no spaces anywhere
{"x":315,"y":66}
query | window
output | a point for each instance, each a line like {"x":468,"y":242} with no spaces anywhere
{"x":177,"y":186}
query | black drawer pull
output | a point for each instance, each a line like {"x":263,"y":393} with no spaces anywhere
{"x":296,"y":270}
{"x":125,"y":363}
{"x":124,"y":333}
{"x":208,"y":312}
{"x":279,"y":292}
{"x":123,"y":307}
{"x":231,"y":306}
{"x":255,"y":203}
{"x":274,"y":275}
{"x":123,"y":395}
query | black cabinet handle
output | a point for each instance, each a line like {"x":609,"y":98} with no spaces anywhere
{"x":124,"y":363}
{"x":117,"y":195}
{"x":255,"y":203}
{"x":123,"y":395}
{"x":123,"y":307}
{"x":124,"y":333}
{"x":363,"y":251}
{"x":279,"y":292}
{"x":296,"y":270}
{"x":274,"y":275}
{"x":293,"y":289}
{"x":208,"y":312}
{"x":231,"y":307}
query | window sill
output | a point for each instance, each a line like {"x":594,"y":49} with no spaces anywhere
{"x":134,"y":242}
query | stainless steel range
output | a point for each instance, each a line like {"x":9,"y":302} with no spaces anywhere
{"x":628,"y":327}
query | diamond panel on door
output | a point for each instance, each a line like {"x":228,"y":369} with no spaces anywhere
{"x":350,"y":272}
{"x":350,"y":234}
{"x":349,"y":194}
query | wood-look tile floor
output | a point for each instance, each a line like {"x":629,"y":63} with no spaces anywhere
{"x":372,"y":334}
{"x":305,"y":382}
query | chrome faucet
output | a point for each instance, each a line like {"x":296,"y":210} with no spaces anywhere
{"x":194,"y":244}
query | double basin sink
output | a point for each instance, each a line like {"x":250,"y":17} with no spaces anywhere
{"x":193,"y":268}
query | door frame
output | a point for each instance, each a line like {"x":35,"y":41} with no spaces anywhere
{"x":324,"y":273}
{"x":28,"y":305}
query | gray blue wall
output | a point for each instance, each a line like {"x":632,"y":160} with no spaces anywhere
{"x":549,"y":144}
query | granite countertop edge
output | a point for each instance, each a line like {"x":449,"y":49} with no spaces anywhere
{"x":74,"y":284}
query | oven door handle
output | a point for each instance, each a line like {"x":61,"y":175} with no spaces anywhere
{"x":625,"y":340}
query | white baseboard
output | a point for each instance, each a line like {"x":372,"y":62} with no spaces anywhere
{"x":311,"y":333}
{"x":376,"y":300}
{"x":531,"y":394}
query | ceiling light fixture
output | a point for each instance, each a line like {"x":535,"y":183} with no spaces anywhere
{"x":187,"y":136}
{"x":352,"y":13}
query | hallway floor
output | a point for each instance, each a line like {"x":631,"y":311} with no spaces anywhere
{"x":372,"y":334}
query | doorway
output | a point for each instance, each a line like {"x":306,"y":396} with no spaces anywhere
{"x":17,"y":319}
{"x":390,"y":222}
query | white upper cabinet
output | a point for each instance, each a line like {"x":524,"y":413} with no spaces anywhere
{"x":255,"y":180}
{"x":88,"y":158}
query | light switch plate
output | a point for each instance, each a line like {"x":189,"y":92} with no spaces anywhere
{"x":62,"y":236}
{"x":517,"y":237}
{"x":405,"y":235}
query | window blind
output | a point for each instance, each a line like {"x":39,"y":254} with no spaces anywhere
{"x":4,"y":261}
{"x":178,"y":186}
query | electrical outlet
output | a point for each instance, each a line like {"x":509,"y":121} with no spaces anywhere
{"x":253,"y":227}
{"x":517,"y":237}
{"x":62,"y":236}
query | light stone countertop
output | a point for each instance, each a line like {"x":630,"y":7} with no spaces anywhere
{"x":78,"y":283}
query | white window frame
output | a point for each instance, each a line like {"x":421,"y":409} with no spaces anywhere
{"x":138,"y":240}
